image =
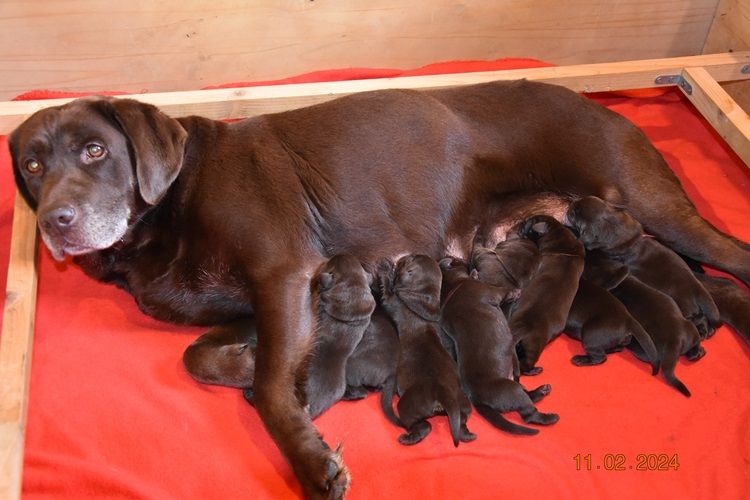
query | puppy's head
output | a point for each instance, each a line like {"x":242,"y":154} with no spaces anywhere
{"x":454,"y":270}
{"x":344,"y":289}
{"x":601,"y":225}
{"x":90,"y":167}
{"x":417,"y":280}
{"x":519,"y":259}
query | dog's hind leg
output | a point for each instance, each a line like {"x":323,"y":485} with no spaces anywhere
{"x":659,"y":202}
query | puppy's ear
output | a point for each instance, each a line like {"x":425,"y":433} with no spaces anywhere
{"x":424,"y":305}
{"x":325,"y":280}
{"x":158,"y":143}
{"x":445,"y":263}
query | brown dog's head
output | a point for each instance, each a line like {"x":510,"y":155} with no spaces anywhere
{"x":89,"y":168}
{"x":416,"y":283}
{"x":344,"y":289}
{"x":601,"y":225}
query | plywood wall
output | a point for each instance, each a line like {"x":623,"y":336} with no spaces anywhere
{"x":730,"y":32}
{"x":161,"y":45}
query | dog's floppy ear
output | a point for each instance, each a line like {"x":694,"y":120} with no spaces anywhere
{"x":20,"y":182}
{"x":158,"y":143}
{"x":424,"y":305}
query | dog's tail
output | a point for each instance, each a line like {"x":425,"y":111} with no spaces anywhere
{"x":647,"y":344}
{"x":497,"y":420}
{"x":667,"y":367}
{"x":386,"y":401}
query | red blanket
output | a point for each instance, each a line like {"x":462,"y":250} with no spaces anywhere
{"x":112,"y":412}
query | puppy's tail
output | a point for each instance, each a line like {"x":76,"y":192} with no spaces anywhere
{"x":386,"y":401}
{"x":496,"y":419}
{"x":454,"y":420}
{"x":647,"y":344}
{"x":667,"y":368}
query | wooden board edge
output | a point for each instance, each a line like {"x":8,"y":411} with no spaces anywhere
{"x":252,"y":101}
{"x":731,"y":122}
{"x":16,"y":343}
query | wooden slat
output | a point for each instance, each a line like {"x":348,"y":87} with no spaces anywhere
{"x":16,"y":347}
{"x":251,"y":101}
{"x":718,"y":107}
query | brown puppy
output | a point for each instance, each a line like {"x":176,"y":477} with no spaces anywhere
{"x":426,"y":378}
{"x":604,"y":325}
{"x":206,"y":222}
{"x":345,"y":305}
{"x":374,"y":360}
{"x":601,"y":226}
{"x":471,"y":317}
{"x":733,"y":303}
{"x":659,"y":315}
{"x":542,"y":309}
{"x":226,"y":356}
{"x":510,"y":265}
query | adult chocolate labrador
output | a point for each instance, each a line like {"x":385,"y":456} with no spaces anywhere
{"x":205,"y":222}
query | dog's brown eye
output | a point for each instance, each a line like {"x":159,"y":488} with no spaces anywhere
{"x":33,"y":166}
{"x":94,"y":150}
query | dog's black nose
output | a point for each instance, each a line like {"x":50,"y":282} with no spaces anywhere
{"x":59,"y":218}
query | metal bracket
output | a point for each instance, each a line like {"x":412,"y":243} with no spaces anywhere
{"x":675,"y":80}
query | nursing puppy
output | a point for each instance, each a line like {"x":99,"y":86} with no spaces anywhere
{"x":344,"y":308}
{"x":542,"y":308}
{"x":673,"y":335}
{"x":426,"y":377}
{"x":345,"y":305}
{"x":374,"y":360}
{"x":602,"y":226}
{"x":472,"y":319}
{"x":510,"y":265}
{"x":604,"y":325}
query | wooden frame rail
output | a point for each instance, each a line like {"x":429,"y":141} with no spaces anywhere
{"x":697,"y":76}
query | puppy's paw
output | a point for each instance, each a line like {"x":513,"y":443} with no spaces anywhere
{"x":466,"y":435}
{"x":588,"y":360}
{"x":540,"y":418}
{"x":695,"y":353}
{"x":353,"y":393}
{"x":532,"y":371}
{"x":415,"y":434}
{"x":539,"y":393}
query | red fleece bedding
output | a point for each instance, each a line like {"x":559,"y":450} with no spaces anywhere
{"x":112,"y":412}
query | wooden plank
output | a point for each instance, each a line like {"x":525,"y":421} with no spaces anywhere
{"x":173,"y":45}
{"x":730,"y":29}
{"x":730,"y":32}
{"x":251,"y":101}
{"x":16,"y":347}
{"x":718,"y":107}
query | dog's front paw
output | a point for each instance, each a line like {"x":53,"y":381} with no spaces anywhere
{"x":333,"y":482}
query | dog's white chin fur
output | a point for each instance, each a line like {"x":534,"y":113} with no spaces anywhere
{"x":94,"y":239}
